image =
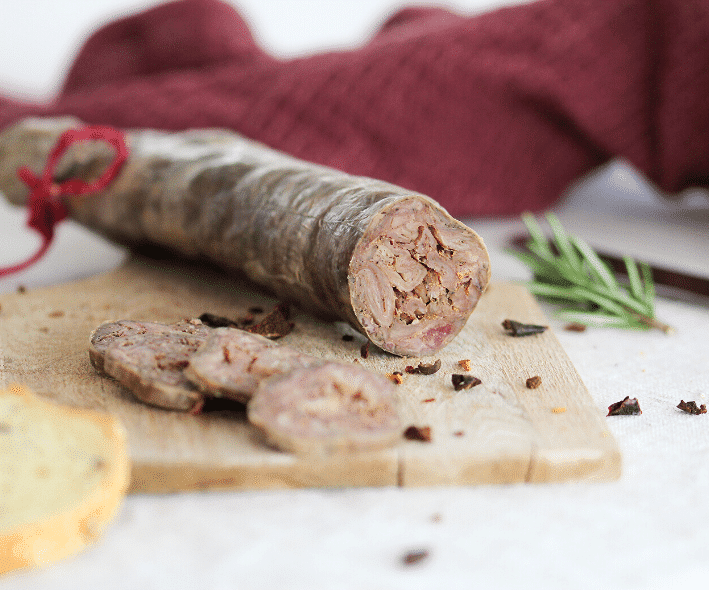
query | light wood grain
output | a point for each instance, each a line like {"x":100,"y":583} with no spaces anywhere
{"x":497,"y":432}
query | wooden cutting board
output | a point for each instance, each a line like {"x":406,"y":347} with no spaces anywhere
{"x":497,"y":432}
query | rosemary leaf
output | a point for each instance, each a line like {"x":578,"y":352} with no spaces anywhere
{"x":568,"y":272}
{"x":580,"y":295}
{"x":636,"y":285}
{"x":600,"y":320}
{"x":649,"y":284}
{"x":564,"y":244}
{"x":599,"y":267}
{"x":535,"y":231}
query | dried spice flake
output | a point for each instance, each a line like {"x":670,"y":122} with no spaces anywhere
{"x":245,"y":321}
{"x":533,"y":382}
{"x":364,"y":350}
{"x":624,"y":407}
{"x":575,"y":327}
{"x":558,"y":410}
{"x":347,"y":338}
{"x":420,"y":433}
{"x":428,"y":400}
{"x":397,"y":377}
{"x":515,"y":328}
{"x":464,"y":381}
{"x":216,"y":321}
{"x":465,"y":364}
{"x":56,"y":314}
{"x":425,"y":369}
{"x":413,"y":557}
{"x":274,"y":325}
{"x":692,"y":408}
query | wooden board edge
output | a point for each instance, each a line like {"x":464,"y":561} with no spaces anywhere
{"x":552,"y":466}
{"x":365,"y":470}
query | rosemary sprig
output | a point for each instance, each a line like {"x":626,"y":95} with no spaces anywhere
{"x":567,"y":271}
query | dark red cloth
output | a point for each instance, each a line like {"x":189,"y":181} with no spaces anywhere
{"x":491,"y":114}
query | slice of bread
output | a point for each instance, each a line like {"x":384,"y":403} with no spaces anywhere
{"x":63,"y":474}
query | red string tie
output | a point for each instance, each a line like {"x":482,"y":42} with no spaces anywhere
{"x":46,"y":204}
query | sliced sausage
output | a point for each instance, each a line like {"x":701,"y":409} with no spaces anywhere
{"x":329,"y":408}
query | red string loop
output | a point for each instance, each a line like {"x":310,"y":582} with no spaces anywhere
{"x":45,"y":201}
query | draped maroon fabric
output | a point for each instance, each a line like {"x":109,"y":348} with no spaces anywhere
{"x":489,"y":114}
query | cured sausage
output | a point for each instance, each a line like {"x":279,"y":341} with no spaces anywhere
{"x":329,"y":408}
{"x":390,"y":261}
{"x":149,"y":359}
{"x":301,"y":403}
{"x":232,"y":363}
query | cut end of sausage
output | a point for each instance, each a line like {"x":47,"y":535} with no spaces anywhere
{"x":415,"y":277}
{"x":327,"y":409}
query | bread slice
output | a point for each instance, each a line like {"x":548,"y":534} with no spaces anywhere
{"x":63,"y":474}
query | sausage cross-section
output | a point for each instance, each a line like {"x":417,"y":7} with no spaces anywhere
{"x":232,"y":363}
{"x":330,"y":408}
{"x":149,"y":359}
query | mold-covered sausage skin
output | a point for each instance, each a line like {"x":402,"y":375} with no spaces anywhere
{"x":393,"y":263}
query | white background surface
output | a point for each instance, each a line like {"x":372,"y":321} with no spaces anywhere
{"x":648,"y":530}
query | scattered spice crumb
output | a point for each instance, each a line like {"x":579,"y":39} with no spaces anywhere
{"x":429,"y":400}
{"x":226,"y":354}
{"x":364,"y":350}
{"x":425,"y":369}
{"x":44,"y":329}
{"x":21,"y":289}
{"x":515,"y":328}
{"x":464,"y":381}
{"x":413,"y":557}
{"x":347,"y":337}
{"x":397,"y":377}
{"x":458,"y":433}
{"x":197,"y":408}
{"x":246,"y":320}
{"x":421,"y":433}
{"x":56,"y":314}
{"x":437,"y":517}
{"x":465,"y":364}
{"x":625,"y":407}
{"x":275,"y":324}
{"x":692,"y":408}
{"x":558,"y":410}
{"x":533,"y":382}
{"x":216,"y":321}
{"x":575,"y":327}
